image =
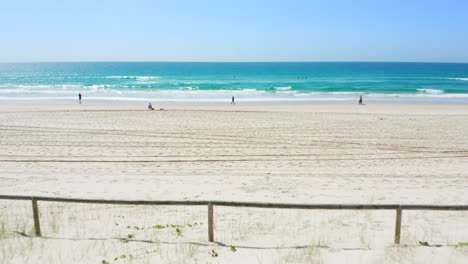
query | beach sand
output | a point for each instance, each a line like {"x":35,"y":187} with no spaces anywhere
{"x":323,"y":153}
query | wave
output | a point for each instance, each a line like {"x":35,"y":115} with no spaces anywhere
{"x":137,"y":93}
{"x":188,"y":88}
{"x":138,"y":78}
{"x":347,"y":93}
{"x":225,"y":98}
{"x":431,"y":91}
{"x":98,"y":86}
{"x":46,"y":89}
{"x":283,"y":88}
{"x":248,"y":90}
{"x":459,"y":79}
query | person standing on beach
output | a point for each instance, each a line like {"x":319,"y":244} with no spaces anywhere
{"x":360,"y":99}
{"x":232,"y":100}
{"x":79,"y":98}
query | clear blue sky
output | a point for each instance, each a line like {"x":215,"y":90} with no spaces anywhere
{"x":234,"y":30}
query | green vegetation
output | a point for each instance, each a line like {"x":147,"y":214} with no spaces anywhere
{"x":177,"y":228}
{"x":461,"y":244}
{"x":233,"y":248}
{"x":159,"y":226}
{"x":178,"y":231}
{"x":121,"y":257}
{"x":213,"y":253}
{"x":423,"y":243}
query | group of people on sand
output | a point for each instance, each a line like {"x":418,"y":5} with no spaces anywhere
{"x":233,"y":101}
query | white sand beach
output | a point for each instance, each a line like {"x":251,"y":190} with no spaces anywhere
{"x":323,"y":153}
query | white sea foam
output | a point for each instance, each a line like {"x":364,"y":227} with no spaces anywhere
{"x":189,"y":88}
{"x":459,"y":79}
{"x":431,"y":91}
{"x":250,"y":90}
{"x":138,"y":78}
{"x":39,"y":89}
{"x":224,"y":96}
{"x":106,"y":92}
{"x":147,"y":78}
{"x":97,"y":86}
{"x":346,"y":93}
{"x":286,"y":92}
{"x":283,"y":88}
{"x":59,"y":86}
{"x":442,"y":96}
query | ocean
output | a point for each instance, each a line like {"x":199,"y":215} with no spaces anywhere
{"x":119,"y":82}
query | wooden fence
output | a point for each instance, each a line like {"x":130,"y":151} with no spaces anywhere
{"x":211,"y":204}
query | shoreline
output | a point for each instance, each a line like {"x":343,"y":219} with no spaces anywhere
{"x":382,"y":108}
{"x":239,"y":100}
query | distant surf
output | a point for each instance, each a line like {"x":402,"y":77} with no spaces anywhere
{"x":430,"y":91}
{"x":140,"y":78}
{"x":249,"y":82}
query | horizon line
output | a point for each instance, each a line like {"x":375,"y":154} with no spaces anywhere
{"x":136,"y":61}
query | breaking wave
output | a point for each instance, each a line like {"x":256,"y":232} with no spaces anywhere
{"x":138,"y":78}
{"x":431,"y":91}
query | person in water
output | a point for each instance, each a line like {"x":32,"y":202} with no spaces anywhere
{"x":233,"y":100}
{"x":150,"y":107}
{"x":79,"y":98}
{"x":360,"y":99}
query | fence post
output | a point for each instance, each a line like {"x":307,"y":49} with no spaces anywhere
{"x":398,"y":225}
{"x":37,"y":224}
{"x":210,"y":222}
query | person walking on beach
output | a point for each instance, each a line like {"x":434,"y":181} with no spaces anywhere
{"x":360,"y":99}
{"x":232,"y":100}
{"x":79,"y":98}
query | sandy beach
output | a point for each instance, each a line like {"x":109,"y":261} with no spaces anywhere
{"x":321,"y":153}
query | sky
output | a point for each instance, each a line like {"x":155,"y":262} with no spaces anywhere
{"x":234,"y":30}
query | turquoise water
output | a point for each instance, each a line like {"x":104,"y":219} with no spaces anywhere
{"x":248,"y":82}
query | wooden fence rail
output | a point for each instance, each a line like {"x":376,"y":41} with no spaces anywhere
{"x":210,"y":204}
